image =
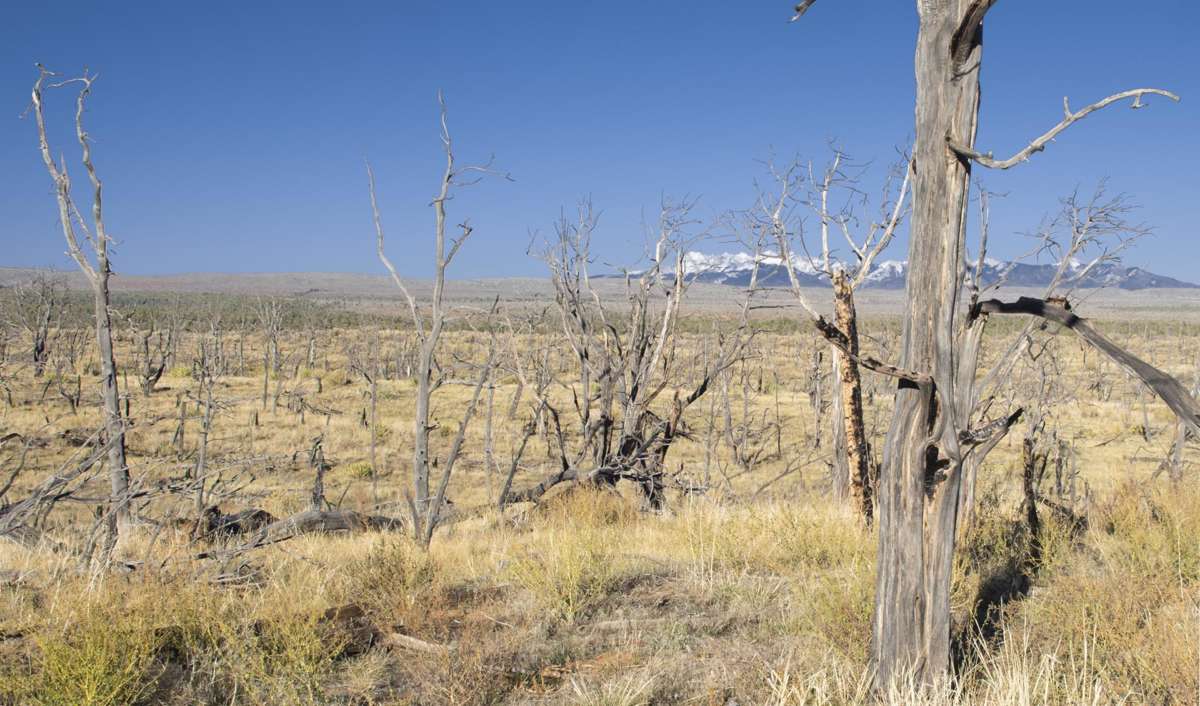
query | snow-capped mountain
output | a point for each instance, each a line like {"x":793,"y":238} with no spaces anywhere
{"x":735,"y":268}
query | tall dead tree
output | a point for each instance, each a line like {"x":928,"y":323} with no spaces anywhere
{"x":206,"y":368}
{"x":930,"y":434}
{"x":71,"y":219}
{"x":424,"y":505}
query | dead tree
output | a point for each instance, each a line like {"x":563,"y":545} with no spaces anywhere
{"x":316,"y":459}
{"x":624,"y":361}
{"x":364,"y":362}
{"x":35,"y":308}
{"x":71,"y":219}
{"x":71,"y":390}
{"x":1085,"y":233}
{"x":18,"y":519}
{"x":206,"y":368}
{"x":153,"y":349}
{"x":270,"y":320}
{"x":749,"y":435}
{"x":832,"y":199}
{"x":921,"y":478}
{"x":5,"y":334}
{"x":424,"y":505}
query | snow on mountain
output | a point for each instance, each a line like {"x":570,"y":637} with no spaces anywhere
{"x":726,"y":266}
{"x":735,"y":268}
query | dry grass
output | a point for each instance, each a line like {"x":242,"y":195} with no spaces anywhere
{"x":737,"y":596}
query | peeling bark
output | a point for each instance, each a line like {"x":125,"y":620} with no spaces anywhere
{"x":858,"y":453}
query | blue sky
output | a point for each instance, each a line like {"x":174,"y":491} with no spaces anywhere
{"x":231,"y":136}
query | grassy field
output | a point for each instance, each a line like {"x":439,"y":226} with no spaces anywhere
{"x":753,"y":587}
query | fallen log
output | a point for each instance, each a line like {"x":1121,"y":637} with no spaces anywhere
{"x":360,"y":633}
{"x":215,"y":524}
{"x":309,"y":522}
{"x":408,"y":642}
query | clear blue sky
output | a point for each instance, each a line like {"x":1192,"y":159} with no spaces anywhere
{"x":231,"y":136}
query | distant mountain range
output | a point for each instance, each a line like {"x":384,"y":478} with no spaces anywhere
{"x":735,"y":268}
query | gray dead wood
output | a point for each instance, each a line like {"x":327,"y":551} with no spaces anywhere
{"x":1168,"y":389}
{"x":16,"y":518}
{"x":98,"y":276}
{"x":308,"y":522}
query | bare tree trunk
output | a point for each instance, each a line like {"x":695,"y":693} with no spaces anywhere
{"x":206,"y":422}
{"x":180,"y":428}
{"x":266,"y":376}
{"x":918,"y":508}
{"x":489,"y":458}
{"x":858,"y":454}
{"x":420,"y":474}
{"x":1175,"y":468}
{"x":930,"y":439}
{"x":114,"y":425}
{"x":316,"y":459}
{"x":374,"y":441}
{"x":426,"y":508}
{"x":837,"y":420}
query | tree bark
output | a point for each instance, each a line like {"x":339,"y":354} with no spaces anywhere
{"x":837,"y":419}
{"x":919,"y":485}
{"x":853,"y":426}
{"x":114,"y":425}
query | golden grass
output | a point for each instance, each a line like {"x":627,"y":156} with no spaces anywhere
{"x":758,"y":598}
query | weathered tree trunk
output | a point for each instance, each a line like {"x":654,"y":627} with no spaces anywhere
{"x":1175,"y":469}
{"x":266,"y":376}
{"x":489,"y":458}
{"x":857,"y":453}
{"x":920,"y":481}
{"x":316,"y":458}
{"x":206,"y":423}
{"x":420,"y":473}
{"x":114,"y":425}
{"x":837,"y":421}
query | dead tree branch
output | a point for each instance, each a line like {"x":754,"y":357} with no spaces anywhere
{"x":986,"y":159}
{"x":1168,"y":389}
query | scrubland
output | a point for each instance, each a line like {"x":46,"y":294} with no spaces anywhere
{"x":753,"y":586}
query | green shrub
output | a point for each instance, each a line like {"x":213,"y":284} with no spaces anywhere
{"x":103,"y":659}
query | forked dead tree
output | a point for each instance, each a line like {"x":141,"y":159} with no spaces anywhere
{"x":832,"y":198}
{"x":152,"y":346}
{"x":97,"y":273}
{"x":424,"y":505}
{"x":931,"y":433}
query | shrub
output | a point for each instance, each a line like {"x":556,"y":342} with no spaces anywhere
{"x":102,"y":659}
{"x":284,"y":660}
{"x":391,"y":578}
